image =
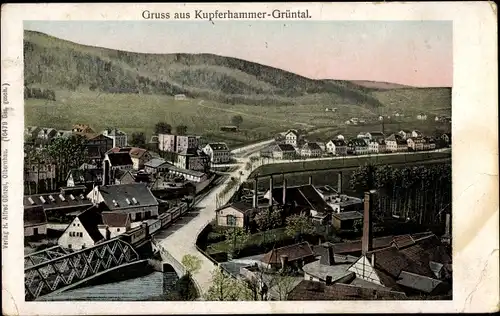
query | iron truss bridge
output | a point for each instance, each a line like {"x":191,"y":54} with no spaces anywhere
{"x":54,"y":268}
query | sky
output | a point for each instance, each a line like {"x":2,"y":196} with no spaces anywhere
{"x":416,"y":53}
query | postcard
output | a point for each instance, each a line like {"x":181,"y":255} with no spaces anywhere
{"x":249,"y":158}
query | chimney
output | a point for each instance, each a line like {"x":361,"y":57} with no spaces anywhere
{"x":105,"y":176}
{"x":271,"y":187}
{"x":284,"y":261}
{"x":310,"y":180}
{"x":328,"y":280}
{"x":284,"y":191}
{"x":373,"y":260}
{"x":255,"y":183}
{"x":331,"y":256}
{"x":339,"y":182}
{"x":366,"y":242}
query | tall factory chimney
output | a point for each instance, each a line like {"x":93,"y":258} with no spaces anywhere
{"x":105,"y":173}
{"x":367,"y":240}
{"x":339,"y":182}
{"x":310,"y":180}
{"x":271,"y":187}
{"x":255,"y":187}
{"x":284,"y":191}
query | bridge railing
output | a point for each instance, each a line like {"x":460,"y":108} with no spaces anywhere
{"x":60,"y":272}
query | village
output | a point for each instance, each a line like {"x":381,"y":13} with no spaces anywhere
{"x":83,"y":189}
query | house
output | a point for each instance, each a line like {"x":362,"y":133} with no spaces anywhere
{"x":346,"y":220}
{"x":317,"y":291}
{"x":135,"y":199}
{"x":292,"y":138}
{"x":396,"y":143}
{"x":82,"y":129}
{"x":311,"y":150}
{"x":357,"y":146}
{"x":322,"y":146}
{"x":63,"y":134}
{"x":115,"y":223}
{"x":218,"y":152}
{"x":446,"y":137}
{"x":229,"y":129}
{"x":119,"y":137}
{"x":177,"y":143}
{"x":377,"y":146}
{"x":124,"y":177}
{"x":380,"y":118}
{"x":404,"y":133}
{"x":187,"y":174}
{"x":31,"y":133}
{"x":415,"y":133}
{"x":139,"y":157}
{"x":361,"y":135}
{"x":97,"y":146}
{"x":374,"y":135}
{"x":304,"y":198}
{"x":429,"y":143}
{"x":85,"y":177}
{"x":157,"y":165}
{"x":119,"y":160}
{"x":340,"y":203}
{"x":179,"y":97}
{"x":236,"y":214}
{"x":46,"y":134}
{"x":329,"y":266}
{"x":293,"y":256}
{"x":192,"y":159}
{"x":35,"y":223}
{"x":340,"y":136}
{"x":422,"y":117}
{"x":416,"y":143}
{"x":83,"y":231}
{"x":42,"y":174}
{"x":59,"y":203}
{"x":283,"y":151}
{"x":337,"y":147}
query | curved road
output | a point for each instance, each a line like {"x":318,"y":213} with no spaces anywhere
{"x":182,"y":241}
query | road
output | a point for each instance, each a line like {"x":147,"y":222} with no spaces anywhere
{"x":182,"y":241}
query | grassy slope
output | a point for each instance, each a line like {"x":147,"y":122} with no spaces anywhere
{"x":263,"y":95}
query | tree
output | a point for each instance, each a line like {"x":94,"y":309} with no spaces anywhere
{"x":283,"y":284}
{"x":191,"y":263}
{"x":236,"y":239}
{"x":163,"y":128}
{"x":138,"y":139}
{"x":364,"y":178}
{"x":268,"y":219}
{"x":298,"y":224}
{"x":237,"y":120}
{"x":67,"y":153}
{"x":181,"y":129}
{"x":226,"y":288}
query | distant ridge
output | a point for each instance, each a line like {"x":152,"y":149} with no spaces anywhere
{"x":61,"y":64}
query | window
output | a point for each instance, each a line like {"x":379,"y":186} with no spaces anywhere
{"x":69,"y":246}
{"x":118,"y":229}
{"x":310,"y":278}
{"x":74,"y":224}
{"x":231,"y":220}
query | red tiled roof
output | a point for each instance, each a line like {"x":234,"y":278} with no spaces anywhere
{"x":294,"y":252}
{"x":393,"y":261}
{"x":403,"y":241}
{"x":318,"y":291}
{"x":137,"y":152}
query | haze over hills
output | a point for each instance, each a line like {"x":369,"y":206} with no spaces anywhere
{"x":62,"y":65}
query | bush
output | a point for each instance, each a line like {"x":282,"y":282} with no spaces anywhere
{"x":214,"y":237}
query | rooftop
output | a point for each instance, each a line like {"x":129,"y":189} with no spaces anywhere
{"x":419,"y":282}
{"x":345,"y":216}
{"x":113,"y":219}
{"x":318,"y":291}
{"x":156,"y":162}
{"x":91,"y":219}
{"x":124,"y":196}
{"x":218,"y":146}
{"x":119,"y":159}
{"x":34,"y":215}
{"x":321,"y":271}
{"x":55,"y":200}
{"x":293,"y":252}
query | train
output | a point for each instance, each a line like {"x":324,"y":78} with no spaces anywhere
{"x":148,"y":228}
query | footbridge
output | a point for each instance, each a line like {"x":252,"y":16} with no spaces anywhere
{"x":55,"y":269}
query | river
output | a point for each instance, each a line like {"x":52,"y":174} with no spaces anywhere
{"x":138,"y":289}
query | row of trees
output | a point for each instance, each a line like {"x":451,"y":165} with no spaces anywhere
{"x":419,"y":193}
{"x":165,"y":128}
{"x":37,"y":93}
{"x":62,"y":153}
